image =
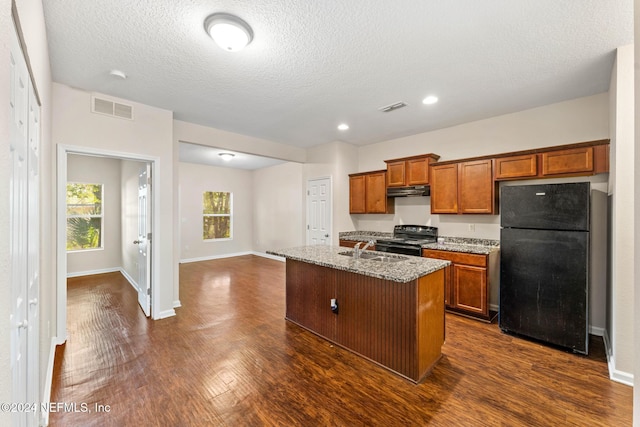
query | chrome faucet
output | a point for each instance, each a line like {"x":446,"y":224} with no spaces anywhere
{"x":357,"y":251}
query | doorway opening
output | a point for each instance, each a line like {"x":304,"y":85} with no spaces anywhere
{"x":131,"y":245}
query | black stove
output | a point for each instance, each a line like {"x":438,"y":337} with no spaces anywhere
{"x":408,"y":239}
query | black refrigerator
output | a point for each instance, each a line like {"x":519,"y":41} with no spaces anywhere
{"x":544,"y":263}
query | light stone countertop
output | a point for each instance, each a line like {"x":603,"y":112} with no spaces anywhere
{"x":329,"y":256}
{"x":451,"y":244}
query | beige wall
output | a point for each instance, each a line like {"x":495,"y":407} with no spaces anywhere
{"x":622,"y":214}
{"x":636,"y":198}
{"x":196,"y":179}
{"x":148,"y":135}
{"x":279,"y":210}
{"x":105,"y":171}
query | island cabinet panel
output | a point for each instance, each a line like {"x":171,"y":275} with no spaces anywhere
{"x":399,"y":326}
{"x":309,"y":290}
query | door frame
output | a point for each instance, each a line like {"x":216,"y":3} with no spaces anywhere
{"x":61,"y":228}
{"x":306,"y":191}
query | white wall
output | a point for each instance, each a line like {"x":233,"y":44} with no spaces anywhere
{"x":636,"y":198}
{"x":622,"y":214}
{"x":195,"y":179}
{"x":336,"y":160}
{"x":279,"y":209}
{"x":579,"y":120}
{"x":148,"y":135}
{"x":105,"y":171}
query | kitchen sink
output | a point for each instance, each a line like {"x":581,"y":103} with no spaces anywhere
{"x":375,"y":257}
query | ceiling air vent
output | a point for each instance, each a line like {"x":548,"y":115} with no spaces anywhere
{"x":111,"y":108}
{"x":391,"y":107}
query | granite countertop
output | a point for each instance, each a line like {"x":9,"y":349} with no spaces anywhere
{"x":451,"y":244}
{"x":328,"y":256}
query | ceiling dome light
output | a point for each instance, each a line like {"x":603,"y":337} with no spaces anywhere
{"x":227,"y":156}
{"x":343,"y":126}
{"x":430,"y":100}
{"x":228,"y":31}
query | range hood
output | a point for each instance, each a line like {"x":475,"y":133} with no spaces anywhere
{"x":416,"y":190}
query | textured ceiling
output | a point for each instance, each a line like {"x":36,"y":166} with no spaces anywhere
{"x":315,"y":64}
{"x":194,"y":153}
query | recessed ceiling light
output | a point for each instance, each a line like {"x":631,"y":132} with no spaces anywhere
{"x":430,"y":100}
{"x":228,"y":31}
{"x":227,"y":156}
{"x":343,"y":126}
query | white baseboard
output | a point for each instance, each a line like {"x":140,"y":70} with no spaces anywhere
{"x":266,"y":255}
{"x":92,"y":272}
{"x":177,"y":304}
{"x":494,"y":307}
{"x":129,"y":279}
{"x":614,"y":374}
{"x":212,"y":257}
{"x":166,"y":313}
{"x":596,"y":330}
{"x":48,"y":379}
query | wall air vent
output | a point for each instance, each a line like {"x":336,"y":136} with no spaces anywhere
{"x":391,"y":107}
{"x":111,"y":108}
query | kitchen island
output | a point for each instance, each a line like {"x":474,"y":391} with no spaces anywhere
{"x":386,"y":308}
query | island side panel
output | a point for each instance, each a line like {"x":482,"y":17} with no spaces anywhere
{"x":309,"y":290}
{"x":377,"y":320}
{"x":431,"y":320}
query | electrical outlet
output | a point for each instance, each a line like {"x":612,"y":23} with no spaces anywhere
{"x":472,"y":227}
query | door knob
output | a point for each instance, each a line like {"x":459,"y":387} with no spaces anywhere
{"x":23,"y":324}
{"x":137,"y":242}
{"x":33,"y":301}
{"x":326,"y":235}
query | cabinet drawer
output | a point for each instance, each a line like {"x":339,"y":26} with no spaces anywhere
{"x":516,"y":166}
{"x":577,"y":160}
{"x":457,"y":257}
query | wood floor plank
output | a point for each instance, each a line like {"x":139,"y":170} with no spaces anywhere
{"x":230,"y":359}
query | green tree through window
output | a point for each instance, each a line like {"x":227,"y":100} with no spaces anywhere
{"x":84,"y":216}
{"x":216,"y":215}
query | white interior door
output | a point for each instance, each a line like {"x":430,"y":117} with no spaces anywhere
{"x":319,"y":211}
{"x":144,"y":239}
{"x":24,"y":236}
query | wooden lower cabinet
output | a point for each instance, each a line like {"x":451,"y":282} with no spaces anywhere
{"x":399,"y":326}
{"x":468,"y":282}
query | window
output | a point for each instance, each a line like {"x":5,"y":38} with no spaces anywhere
{"x":216,"y":215}
{"x":84,"y":216}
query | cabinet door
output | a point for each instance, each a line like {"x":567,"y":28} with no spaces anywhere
{"x":516,"y":167}
{"x":470,"y":289}
{"x":376,"y":192}
{"x":562,"y":162}
{"x":396,"y":174}
{"x":444,"y":189}
{"x":476,"y":188}
{"x":417,"y":171}
{"x":357,"y":194}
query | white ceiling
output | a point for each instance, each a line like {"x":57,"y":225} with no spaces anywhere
{"x":315,"y":64}
{"x":194,"y":153}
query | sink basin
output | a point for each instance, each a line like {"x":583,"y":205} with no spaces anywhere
{"x":375,"y":256}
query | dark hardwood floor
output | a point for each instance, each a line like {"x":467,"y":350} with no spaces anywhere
{"x":230,"y":359}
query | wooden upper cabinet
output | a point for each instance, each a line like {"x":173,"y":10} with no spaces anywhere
{"x":566,"y":162}
{"x":409,"y":171}
{"x":368,"y":193}
{"x":376,"y":188}
{"x":357,"y":194}
{"x":444,"y":189}
{"x":395,"y":174}
{"x":476,"y":194}
{"x":515,"y":167}
{"x":466,"y":188}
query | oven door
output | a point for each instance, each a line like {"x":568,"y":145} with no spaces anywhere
{"x":398,"y":248}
